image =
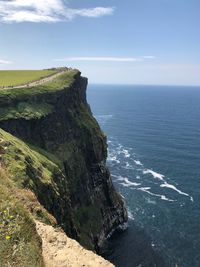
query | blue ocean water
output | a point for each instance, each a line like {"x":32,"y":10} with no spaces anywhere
{"x":154,"y":156}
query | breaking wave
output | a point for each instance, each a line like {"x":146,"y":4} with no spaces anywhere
{"x":163,"y":197}
{"x":124,"y":158}
{"x":154,"y":174}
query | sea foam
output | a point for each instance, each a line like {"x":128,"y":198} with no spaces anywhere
{"x":146,"y":189}
{"x":137,"y":162}
{"x":170,"y":186}
{"x":125,"y":181}
{"x":130,"y":215}
{"x":126,"y":153}
{"x":156,"y":175}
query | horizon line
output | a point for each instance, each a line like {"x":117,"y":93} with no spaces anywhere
{"x":139,"y":84}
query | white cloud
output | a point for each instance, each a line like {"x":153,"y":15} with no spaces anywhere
{"x":91,"y":12}
{"x":5,"y":62}
{"x":111,"y":59}
{"x":148,"y":57}
{"x":45,"y":11}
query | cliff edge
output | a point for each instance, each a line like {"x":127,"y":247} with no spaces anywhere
{"x":51,"y":145}
{"x":58,"y":250}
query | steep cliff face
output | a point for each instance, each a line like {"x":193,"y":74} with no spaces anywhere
{"x":58,"y":138}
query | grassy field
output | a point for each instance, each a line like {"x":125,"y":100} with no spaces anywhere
{"x":21,"y":77}
{"x":64,"y":80}
{"x":25,"y":102}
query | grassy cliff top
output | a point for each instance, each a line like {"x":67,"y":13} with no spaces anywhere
{"x":23,"y":103}
{"x":20,"y":77}
{"x":65,"y":79}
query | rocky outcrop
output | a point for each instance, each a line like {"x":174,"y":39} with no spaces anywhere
{"x":80,"y":195}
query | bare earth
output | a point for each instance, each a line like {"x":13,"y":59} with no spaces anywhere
{"x":61,"y":251}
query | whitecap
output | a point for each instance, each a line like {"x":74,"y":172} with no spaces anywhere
{"x":129,"y":184}
{"x":112,"y":158}
{"x":137,"y":162}
{"x":126,"y":153}
{"x":165,"y":198}
{"x":156,"y":175}
{"x":174,"y":188}
{"x":125,"y":181}
{"x":146,"y":190}
{"x":170,"y":186}
{"x":119,"y":149}
{"x":130,"y":215}
{"x":118,"y":177}
{"x":128,"y":166}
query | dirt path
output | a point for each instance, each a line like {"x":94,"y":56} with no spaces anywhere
{"x":61,"y":251}
{"x":35,"y":83}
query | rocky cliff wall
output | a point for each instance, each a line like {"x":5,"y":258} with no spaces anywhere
{"x":79,"y":191}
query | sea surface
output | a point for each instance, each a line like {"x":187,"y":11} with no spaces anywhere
{"x":153,"y":136}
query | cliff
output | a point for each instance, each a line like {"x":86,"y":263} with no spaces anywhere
{"x":52,"y":145}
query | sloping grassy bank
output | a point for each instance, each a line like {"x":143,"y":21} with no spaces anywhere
{"x":20,"y":245}
{"x":20,"y":168}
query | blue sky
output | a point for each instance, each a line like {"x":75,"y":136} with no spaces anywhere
{"x":110,"y":41}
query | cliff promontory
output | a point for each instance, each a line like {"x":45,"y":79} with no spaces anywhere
{"x":53,"y":163}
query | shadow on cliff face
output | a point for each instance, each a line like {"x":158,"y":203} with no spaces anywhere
{"x":132,"y":248}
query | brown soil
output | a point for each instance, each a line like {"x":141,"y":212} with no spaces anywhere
{"x":61,"y":251}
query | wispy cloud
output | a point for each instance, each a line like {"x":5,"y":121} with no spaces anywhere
{"x":5,"y":62}
{"x":15,"y":11}
{"x":111,"y":59}
{"x":148,"y":57}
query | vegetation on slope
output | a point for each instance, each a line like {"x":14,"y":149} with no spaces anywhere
{"x":69,"y":177}
{"x":22,"y":167}
{"x":26,"y":110}
{"x":27,"y":166}
{"x":20,"y":77}
{"x":20,"y":244}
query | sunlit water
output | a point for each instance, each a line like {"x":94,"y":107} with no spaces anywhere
{"x":154,"y":157}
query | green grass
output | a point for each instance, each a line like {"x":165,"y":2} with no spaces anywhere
{"x":20,"y":244}
{"x":26,"y":111}
{"x":26,"y":102}
{"x":21,"y":77}
{"x":27,"y":166}
{"x":24,"y":167}
{"x":60,"y":82}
